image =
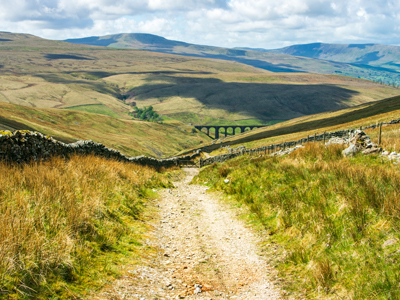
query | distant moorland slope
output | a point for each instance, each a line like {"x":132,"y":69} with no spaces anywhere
{"x":367,"y":61}
{"x":109,"y":81}
{"x":130,"y":137}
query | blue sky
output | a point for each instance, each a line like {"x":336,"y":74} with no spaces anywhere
{"x":226,"y":23}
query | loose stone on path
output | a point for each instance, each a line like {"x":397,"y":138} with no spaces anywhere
{"x":205,"y":252}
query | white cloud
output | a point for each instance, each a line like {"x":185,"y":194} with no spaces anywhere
{"x":229,"y":23}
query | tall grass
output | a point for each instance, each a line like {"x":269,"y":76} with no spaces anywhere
{"x":330,"y":215}
{"x":58,"y":217}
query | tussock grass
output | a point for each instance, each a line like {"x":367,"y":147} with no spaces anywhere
{"x":330,"y":217}
{"x":64,"y":224}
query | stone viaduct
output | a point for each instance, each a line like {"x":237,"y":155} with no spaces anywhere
{"x":217,"y":128}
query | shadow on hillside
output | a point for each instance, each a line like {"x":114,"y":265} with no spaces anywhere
{"x":50,"y":56}
{"x":260,"y":100}
{"x":278,"y":68}
{"x":102,"y":74}
{"x":100,"y":85}
{"x":379,"y":107}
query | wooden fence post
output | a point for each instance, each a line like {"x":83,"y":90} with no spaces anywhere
{"x":380,"y":134}
{"x":315,"y":137}
{"x":200,"y":162}
{"x":324,"y":137}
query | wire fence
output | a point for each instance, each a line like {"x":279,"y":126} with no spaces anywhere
{"x":270,"y":149}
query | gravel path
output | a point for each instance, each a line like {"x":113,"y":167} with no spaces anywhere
{"x":205,"y":252}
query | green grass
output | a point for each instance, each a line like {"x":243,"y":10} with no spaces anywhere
{"x":328,"y":215}
{"x":97,"y":109}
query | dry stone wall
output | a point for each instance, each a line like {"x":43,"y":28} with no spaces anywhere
{"x":290,"y":144}
{"x":23,"y":146}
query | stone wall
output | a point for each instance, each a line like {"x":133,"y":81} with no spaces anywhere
{"x":290,"y":144}
{"x":23,"y":146}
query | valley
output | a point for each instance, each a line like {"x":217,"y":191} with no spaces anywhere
{"x":310,"y":224}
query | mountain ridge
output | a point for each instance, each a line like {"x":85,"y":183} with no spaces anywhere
{"x":367,"y":61}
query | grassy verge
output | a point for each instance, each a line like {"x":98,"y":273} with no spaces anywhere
{"x":66,"y":226}
{"x":332,"y":221}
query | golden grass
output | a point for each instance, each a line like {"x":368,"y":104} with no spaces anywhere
{"x":58,"y":217}
{"x":131,"y":137}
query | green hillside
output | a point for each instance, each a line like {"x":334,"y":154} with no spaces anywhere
{"x":132,"y":138}
{"x":294,"y":129}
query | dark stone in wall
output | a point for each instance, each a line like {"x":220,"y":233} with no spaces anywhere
{"x":23,"y":146}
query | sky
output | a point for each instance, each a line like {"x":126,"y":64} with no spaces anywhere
{"x":266,"y":24}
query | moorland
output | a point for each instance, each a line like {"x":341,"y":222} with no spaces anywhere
{"x":69,"y":228}
{"x":368,"y":61}
{"x":110,"y":81}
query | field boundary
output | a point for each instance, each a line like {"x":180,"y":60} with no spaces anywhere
{"x":23,"y":146}
{"x":269,"y":149}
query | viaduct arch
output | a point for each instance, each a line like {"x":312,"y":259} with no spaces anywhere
{"x":234,"y":127}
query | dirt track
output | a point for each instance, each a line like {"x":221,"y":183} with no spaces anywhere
{"x":205,"y":252}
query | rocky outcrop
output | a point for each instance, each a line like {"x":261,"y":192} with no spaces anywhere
{"x":360,"y":142}
{"x":391,"y":156}
{"x":24,"y":146}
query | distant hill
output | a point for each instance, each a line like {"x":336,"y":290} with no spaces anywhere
{"x":109,"y":81}
{"x":380,"y":61}
{"x":128,"y":40}
{"x":368,"y":61}
{"x":362,"y":54}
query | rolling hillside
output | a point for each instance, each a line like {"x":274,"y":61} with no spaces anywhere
{"x":294,"y":129}
{"x":362,"y":54}
{"x":379,"y":62}
{"x":110,"y":81}
{"x":372,"y":62}
{"x":132,"y":138}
